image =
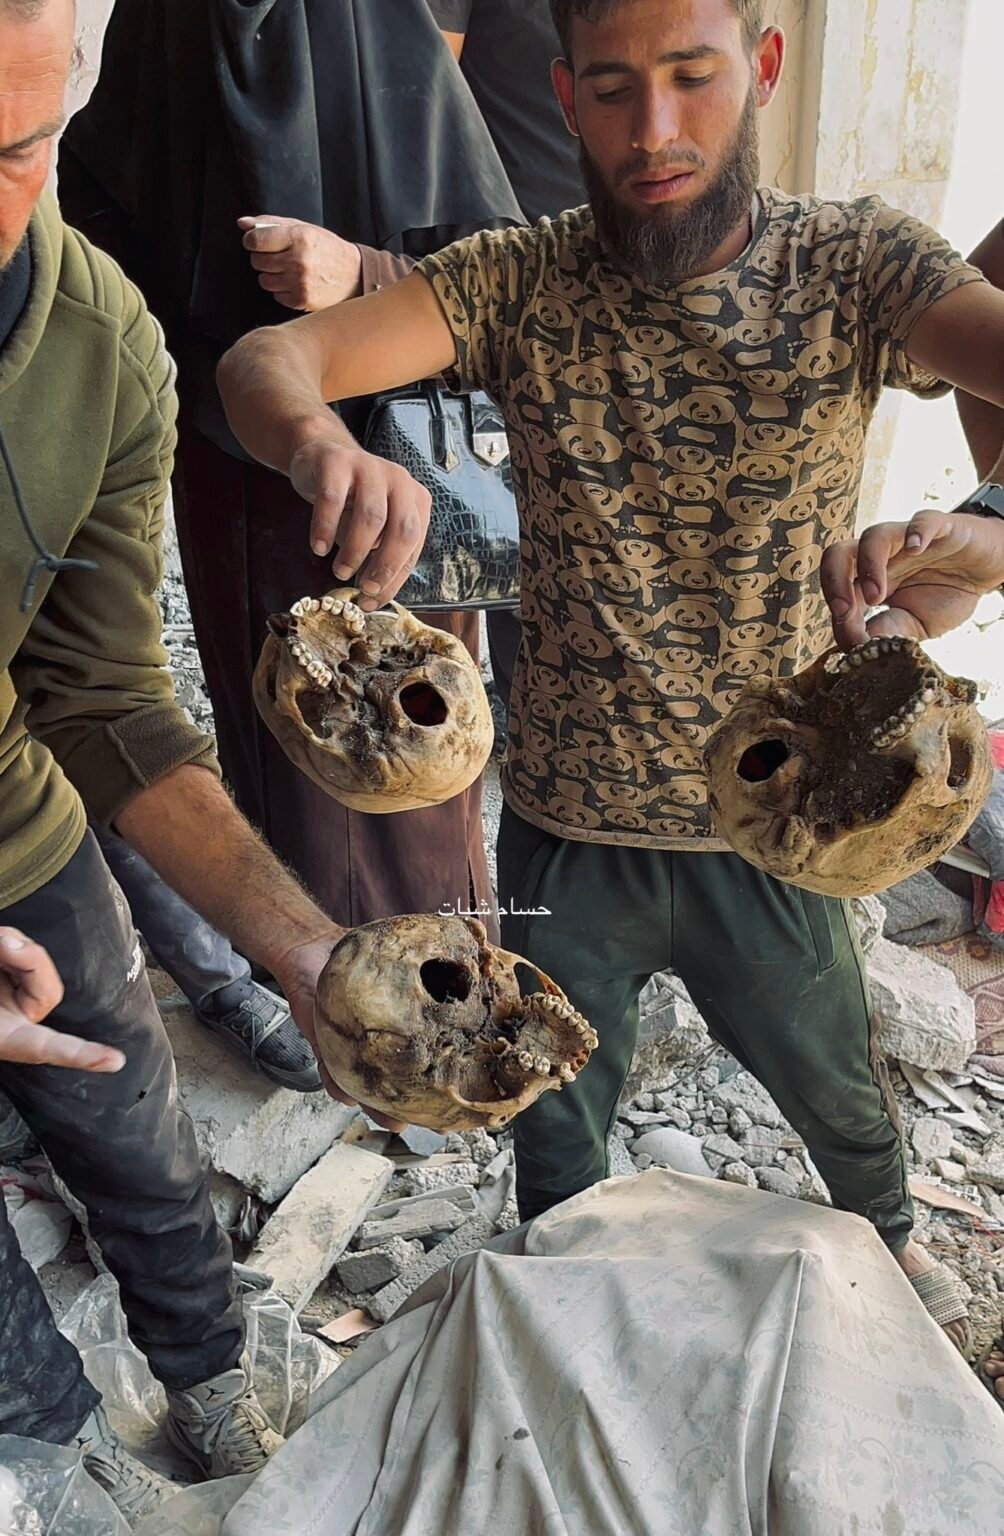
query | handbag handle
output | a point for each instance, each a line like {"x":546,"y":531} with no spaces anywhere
{"x":442,"y":451}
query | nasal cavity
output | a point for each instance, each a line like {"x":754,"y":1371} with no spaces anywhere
{"x":422,"y":704}
{"x":445,"y":981}
{"x":760,"y":762}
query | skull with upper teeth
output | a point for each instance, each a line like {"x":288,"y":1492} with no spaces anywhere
{"x":383,"y":712}
{"x":853,"y":775}
{"x":422,"y":1019}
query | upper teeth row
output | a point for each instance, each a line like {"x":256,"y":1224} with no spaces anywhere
{"x":314,"y":669}
{"x":354,"y":618}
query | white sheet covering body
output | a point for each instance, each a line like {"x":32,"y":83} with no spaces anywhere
{"x":661,"y":1356}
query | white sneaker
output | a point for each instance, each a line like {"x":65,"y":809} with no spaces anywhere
{"x":220,"y":1424}
{"x":133,"y":1488}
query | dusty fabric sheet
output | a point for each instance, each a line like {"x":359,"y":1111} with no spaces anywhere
{"x":662,"y":1356}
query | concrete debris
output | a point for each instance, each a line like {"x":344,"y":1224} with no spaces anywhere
{"x":738,"y":1122}
{"x":761,"y":1145}
{"x":478,"y":1146}
{"x":720,"y":1150}
{"x":777,"y":1182}
{"x":738,"y":1173}
{"x":989,"y":1169}
{"x":619,"y":1159}
{"x":472,"y":1235}
{"x":426,"y":1219}
{"x":670,"y":1148}
{"x":372,"y":1268}
{"x":427,"y":1181}
{"x":923,"y":1015}
{"x":316,"y":1221}
{"x":745,"y":1093}
{"x":461,"y":1195}
{"x":671,"y":1031}
{"x":952,"y":1173}
{"x":261,"y":1136}
{"x":931,"y":1138}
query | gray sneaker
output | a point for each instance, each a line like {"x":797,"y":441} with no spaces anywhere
{"x":220,"y":1424}
{"x":260,"y":1026}
{"x":133,"y":1488}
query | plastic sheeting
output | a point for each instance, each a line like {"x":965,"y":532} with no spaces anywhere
{"x":44,"y":1490}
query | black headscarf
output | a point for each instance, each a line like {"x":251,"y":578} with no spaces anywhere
{"x":347,"y":113}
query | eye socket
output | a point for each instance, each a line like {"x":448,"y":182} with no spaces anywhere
{"x":423,"y":705}
{"x":960,"y":762}
{"x":761,"y":761}
{"x":445,"y":981}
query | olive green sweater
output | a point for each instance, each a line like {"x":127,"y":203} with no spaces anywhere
{"x":87,"y":408}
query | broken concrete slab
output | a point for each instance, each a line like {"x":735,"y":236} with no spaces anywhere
{"x":371,"y":1268}
{"x":777,"y":1182}
{"x":720,"y":1150}
{"x":989,"y":1169}
{"x":262,"y":1136}
{"x":931,"y":1138}
{"x":672,"y":1031}
{"x":461,"y":1195}
{"x":761,"y":1144}
{"x":670,"y":1148}
{"x":423,"y":1181}
{"x":423,"y":1220}
{"x":923,"y":1015}
{"x":472,"y":1235}
{"x":316,"y":1221}
{"x":420,"y":1140}
{"x":619,"y":1159}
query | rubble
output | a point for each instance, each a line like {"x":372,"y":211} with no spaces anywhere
{"x":923,"y":1015}
{"x":314,"y":1224}
{"x":670,"y":1148}
{"x":743,"y":1092}
{"x":472,"y":1235}
{"x":262,"y":1136}
{"x":457,"y":1194}
{"x":671,"y":1031}
{"x":371,"y":1268}
{"x":776,"y":1182}
{"x":425,"y":1219}
{"x":422,"y":1180}
{"x":738,"y":1173}
{"x":932,"y":1138}
{"x":720,"y":1150}
{"x":989,"y":1169}
{"x":760,"y":1145}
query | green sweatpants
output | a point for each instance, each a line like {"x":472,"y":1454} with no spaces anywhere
{"x":776,"y":972}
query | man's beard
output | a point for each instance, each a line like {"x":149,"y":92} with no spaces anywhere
{"x":669,"y":245}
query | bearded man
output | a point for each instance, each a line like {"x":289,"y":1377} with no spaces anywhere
{"x":688,"y":367}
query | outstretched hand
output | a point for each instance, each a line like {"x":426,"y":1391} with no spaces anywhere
{"x":30,"y":988}
{"x":930,"y":573}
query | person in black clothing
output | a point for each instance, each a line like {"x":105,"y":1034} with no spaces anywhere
{"x":505,"y":49}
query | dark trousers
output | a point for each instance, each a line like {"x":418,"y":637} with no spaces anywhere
{"x":242,"y":532}
{"x":192,"y":952}
{"x":127,"y":1151}
{"x":776,"y":972}
{"x":504,"y":635}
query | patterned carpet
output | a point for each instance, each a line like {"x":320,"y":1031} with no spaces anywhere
{"x":979,"y":969}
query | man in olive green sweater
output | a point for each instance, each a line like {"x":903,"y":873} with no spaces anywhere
{"x":89,"y":728}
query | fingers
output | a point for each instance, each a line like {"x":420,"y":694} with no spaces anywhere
{"x":36,"y":982}
{"x":838,"y":573}
{"x":389,"y":566}
{"x":263,"y":233}
{"x":38,"y":1046}
{"x":897,"y":621}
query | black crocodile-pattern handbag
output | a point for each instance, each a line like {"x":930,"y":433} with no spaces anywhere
{"x":456,"y":446}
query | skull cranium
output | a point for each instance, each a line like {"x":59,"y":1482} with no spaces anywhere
{"x":853,"y":775}
{"x":382,"y":711}
{"x":422,"y":1018}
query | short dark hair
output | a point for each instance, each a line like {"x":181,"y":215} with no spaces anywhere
{"x":750,"y":13}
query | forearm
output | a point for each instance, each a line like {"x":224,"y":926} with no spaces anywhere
{"x":982,"y":422}
{"x":272,"y":391}
{"x":188,"y":828}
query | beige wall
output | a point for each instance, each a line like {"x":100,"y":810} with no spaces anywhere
{"x":788,"y":126}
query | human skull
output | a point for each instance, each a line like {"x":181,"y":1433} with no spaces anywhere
{"x":853,"y":775}
{"x":422,"y":1019}
{"x":382,"y":711}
